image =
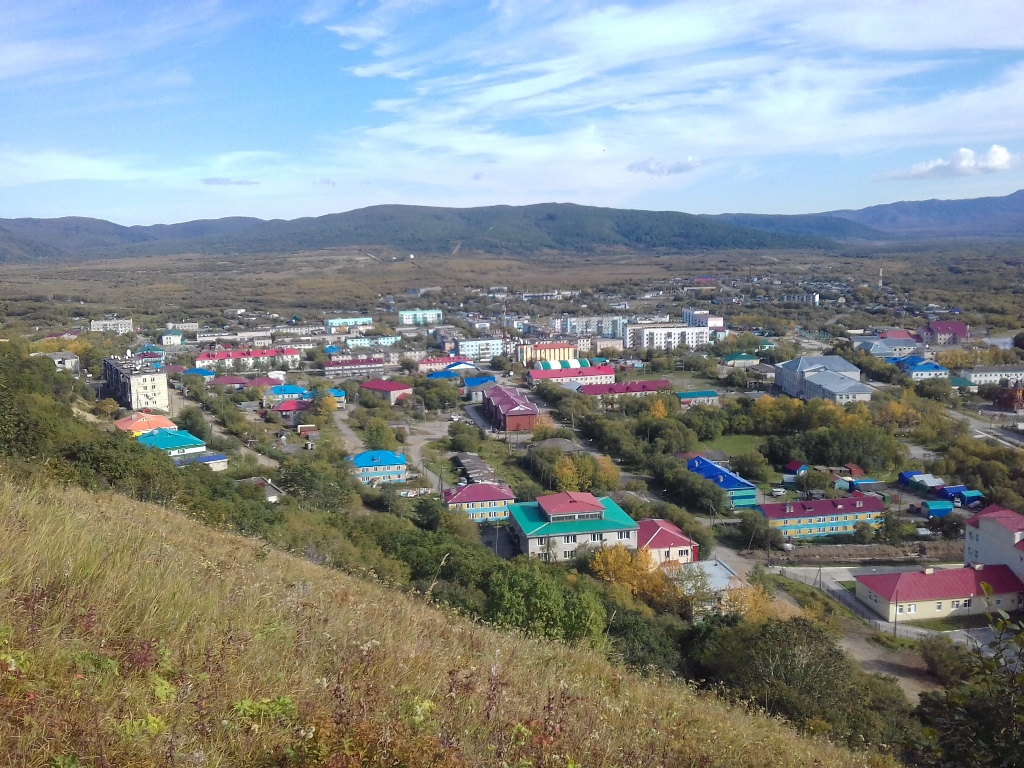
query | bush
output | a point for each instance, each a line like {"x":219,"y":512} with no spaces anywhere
{"x":948,"y":662}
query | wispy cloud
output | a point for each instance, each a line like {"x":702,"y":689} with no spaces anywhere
{"x":963,"y":162}
{"x":658,"y":168}
{"x":218,"y":181}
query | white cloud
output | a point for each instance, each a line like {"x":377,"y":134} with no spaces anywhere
{"x":218,"y":181}
{"x":658,"y":168}
{"x":964,"y":162}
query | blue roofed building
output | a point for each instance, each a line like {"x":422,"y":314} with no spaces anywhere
{"x":377,"y":467}
{"x":479,"y":381}
{"x":919,"y":369}
{"x":741,"y":493}
{"x":275,"y":395}
{"x":337,"y":394}
{"x":198,"y":372}
{"x":445,"y":375}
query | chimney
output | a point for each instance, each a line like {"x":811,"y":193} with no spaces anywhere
{"x":929,"y":571}
{"x":978,"y":566}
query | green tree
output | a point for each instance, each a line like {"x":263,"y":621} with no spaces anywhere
{"x":934,"y":389}
{"x":752,"y":466}
{"x":378,"y":436}
{"x":192,"y":420}
{"x":863,"y":533}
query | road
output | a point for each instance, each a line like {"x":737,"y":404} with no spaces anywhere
{"x":986,"y":430}
{"x":178,"y":402}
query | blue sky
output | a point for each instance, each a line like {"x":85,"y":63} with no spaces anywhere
{"x":145,"y":112}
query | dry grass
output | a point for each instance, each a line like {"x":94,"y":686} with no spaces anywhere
{"x":130,"y":635}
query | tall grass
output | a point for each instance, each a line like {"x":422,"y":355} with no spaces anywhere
{"x":130,"y":635}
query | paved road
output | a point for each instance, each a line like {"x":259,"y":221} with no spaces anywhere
{"x":179,"y":401}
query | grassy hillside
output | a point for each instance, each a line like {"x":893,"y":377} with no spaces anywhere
{"x":809,"y":225}
{"x":130,"y":635}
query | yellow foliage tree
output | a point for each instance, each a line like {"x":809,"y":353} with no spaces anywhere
{"x":754,"y":604}
{"x":634,"y":570}
{"x":543,"y":427}
{"x":658,"y":410}
{"x":608,"y":477}
{"x":566,"y":476}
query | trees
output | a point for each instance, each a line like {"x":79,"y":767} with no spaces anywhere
{"x":566,"y":476}
{"x":934,"y":389}
{"x":607,"y":476}
{"x":379,"y":436}
{"x":192,"y":420}
{"x":758,"y":534}
{"x":752,"y":466}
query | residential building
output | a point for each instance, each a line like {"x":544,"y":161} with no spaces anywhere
{"x":292,"y":411}
{"x":554,"y":527}
{"x":271,"y":492}
{"x":995,"y":536}
{"x":509,"y":410}
{"x":1005,"y":375}
{"x":626,"y":388}
{"x":135,"y":384}
{"x":829,"y":377}
{"x":260,"y":339}
{"x":603,"y":326}
{"x":280,"y":393}
{"x":141,"y":423}
{"x":335,"y":324}
{"x":173,"y":442}
{"x":63,"y":361}
{"x":938,"y":593}
{"x":482,"y":502}
{"x":116,"y":325}
{"x":697,"y":397}
{"x":354,"y":367}
{"x":668,"y":546}
{"x":741,"y":360}
{"x":589,"y":374}
{"x":184,"y":327}
{"x":919,"y":369}
{"x":234,"y":383}
{"x":480,"y":349}
{"x":392,"y":391}
{"x":888,"y":347}
{"x":248,"y":359}
{"x":377,"y":467}
{"x":823,"y":517}
{"x":800,"y":298}
{"x":431,"y":364}
{"x":546,"y":350}
{"x":945,"y":332}
{"x":420,"y":316}
{"x":362,"y":342}
{"x":740,"y":493}
{"x":170,"y":338}
{"x":665,"y":336}
{"x":703,"y":317}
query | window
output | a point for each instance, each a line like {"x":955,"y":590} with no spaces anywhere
{"x":569,"y":539}
{"x":912,"y":608}
{"x":597,"y":537}
{"x":967,"y":603}
{"x":567,"y":554}
{"x":684,"y":553}
{"x":938,"y":606}
{"x":999,"y":601}
{"x":956,"y":604}
{"x":667,"y":555}
{"x":623,"y":535}
{"x":899,"y":609}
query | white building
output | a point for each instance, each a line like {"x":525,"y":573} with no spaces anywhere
{"x":829,"y":377}
{"x":117,"y":325}
{"x":800,"y":298}
{"x":605,"y":326}
{"x":332,"y":325}
{"x":995,"y":374}
{"x":64,"y":361}
{"x":184,"y":327}
{"x":480,"y":349}
{"x":169,"y":338}
{"x":995,"y":536}
{"x":420,"y":316}
{"x":135,"y":384}
{"x":664,"y":336}
{"x":704,"y":318}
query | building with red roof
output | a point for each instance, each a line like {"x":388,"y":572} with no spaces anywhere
{"x":932,"y":594}
{"x":945,"y":332}
{"x":633,"y":388}
{"x":291,"y":411}
{"x":823,"y":517}
{"x":247,"y":359}
{"x":995,"y":536}
{"x":434,"y":364}
{"x":482,"y":502}
{"x":595,"y":374}
{"x":667,"y":544}
{"x":229,"y":382}
{"x":141,"y":423}
{"x":392,"y":391}
{"x":509,"y":410}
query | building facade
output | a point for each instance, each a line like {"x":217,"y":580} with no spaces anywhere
{"x":554,"y":527}
{"x":603,"y":326}
{"x":828,"y":377}
{"x":546,"y":350}
{"x":703,"y":317}
{"x":595,"y":374}
{"x":741,"y":493}
{"x":1006,"y":375}
{"x":824,"y":517}
{"x":509,"y":410}
{"x":668,"y":546}
{"x":136,"y":385}
{"x":995,"y":536}
{"x":665,"y":336}
{"x":480,"y":349}
{"x":420,"y":316}
{"x":480,"y":502}
{"x":116,"y":325}
{"x":335,"y":324}
{"x":378,"y":467}
{"x":934,"y":593}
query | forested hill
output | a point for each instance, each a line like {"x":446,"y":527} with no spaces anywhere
{"x":419,"y":229}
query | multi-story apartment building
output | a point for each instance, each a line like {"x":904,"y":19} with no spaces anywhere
{"x":247,"y":359}
{"x":825,"y":517}
{"x":332,"y":325}
{"x":605,"y":326}
{"x":995,"y":536}
{"x":1007,"y":375}
{"x":553,"y":527}
{"x":480,"y":349}
{"x":377,"y":467}
{"x":116,"y":325}
{"x":481,"y":502}
{"x":420,"y":316}
{"x":665,"y":336}
{"x":135,"y":384}
{"x":546,"y":350}
{"x":704,"y":318}
{"x":185,"y":327}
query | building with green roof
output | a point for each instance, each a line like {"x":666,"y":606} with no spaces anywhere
{"x":173,"y":442}
{"x":964,"y":385}
{"x":740,"y":360}
{"x":553,"y":527}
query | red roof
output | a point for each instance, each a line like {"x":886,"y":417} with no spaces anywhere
{"x":569,"y":503}
{"x":822,"y":507}
{"x":477,"y":492}
{"x":380,"y":385}
{"x":942,"y":584}
{"x":1010,"y":520}
{"x":626,"y":387}
{"x":445,"y":360}
{"x":795,"y":466}
{"x":957,"y":327}
{"x":896,"y":333}
{"x":243,"y":354}
{"x":265,"y":381}
{"x":573,"y":373}
{"x":554,"y":345}
{"x":662,"y":534}
{"x":292,"y":405}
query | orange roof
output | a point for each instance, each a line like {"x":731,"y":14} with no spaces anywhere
{"x":144,"y":422}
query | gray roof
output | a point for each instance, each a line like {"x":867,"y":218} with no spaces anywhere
{"x":810,"y":363}
{"x":1017,"y":368}
{"x":837,"y":383}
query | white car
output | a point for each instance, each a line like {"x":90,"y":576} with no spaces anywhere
{"x":776,"y":492}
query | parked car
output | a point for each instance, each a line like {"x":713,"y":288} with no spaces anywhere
{"x":776,"y":492}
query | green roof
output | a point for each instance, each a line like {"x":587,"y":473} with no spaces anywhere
{"x":533,"y":522}
{"x":960,"y":381}
{"x":739,"y":356}
{"x":170,"y":440}
{"x":696,"y":393}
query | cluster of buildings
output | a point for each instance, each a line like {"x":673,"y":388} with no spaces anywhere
{"x":828,"y":377}
{"x":162,"y":434}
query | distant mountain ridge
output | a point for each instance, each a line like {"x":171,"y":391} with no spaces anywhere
{"x":517,"y":230}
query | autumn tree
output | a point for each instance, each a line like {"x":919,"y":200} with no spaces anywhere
{"x":607,"y":477}
{"x":658,"y":410}
{"x":543,"y":427}
{"x":566,"y":476}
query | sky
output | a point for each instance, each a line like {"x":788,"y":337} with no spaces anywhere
{"x":150,"y":112}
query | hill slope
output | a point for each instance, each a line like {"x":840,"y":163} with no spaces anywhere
{"x":130,"y":635}
{"x":807,"y":225}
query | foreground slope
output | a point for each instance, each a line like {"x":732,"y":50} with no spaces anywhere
{"x":130,"y":635}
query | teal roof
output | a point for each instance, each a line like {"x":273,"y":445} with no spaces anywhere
{"x":532,"y":520}
{"x":170,"y":440}
{"x":960,"y":381}
{"x":697,"y":393}
{"x":739,"y":356}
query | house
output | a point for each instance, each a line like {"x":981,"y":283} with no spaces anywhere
{"x":431,"y":364}
{"x":173,"y":442}
{"x":829,"y":377}
{"x":478,"y":381}
{"x":215,"y":462}
{"x":934,"y":593}
{"x":995,"y":536}
{"x":546,"y":350}
{"x":762,"y":372}
{"x":247,"y":359}
{"x":474,"y":469}
{"x":509,"y":410}
{"x":554,"y":527}
{"x":291,"y":411}
{"x":666,"y":543}
{"x":264,"y":381}
{"x":823,"y":517}
{"x":337,"y":394}
{"x":919,"y":369}
{"x":559,"y":371}
{"x":113,"y":325}
{"x":853,"y":470}
{"x":740,"y":493}
{"x":888,"y":346}
{"x":141,"y":423}
{"x":445,"y":375}
{"x":1005,"y":375}
{"x":270,"y":491}
{"x":354,"y":367}
{"x":796,"y":468}
{"x":626,"y":388}
{"x":136,"y":385}
{"x":198,"y":372}
{"x":945,"y":332}
{"x":279,"y":393}
{"x":962,"y":384}
{"x":63,"y":361}
{"x":482,"y":502}
{"x":721,"y":458}
{"x":377,"y":467}
{"x":697,"y":397}
{"x":228,"y":382}
{"x":171,"y":337}
{"x":740,"y":360}
{"x":392,"y":391}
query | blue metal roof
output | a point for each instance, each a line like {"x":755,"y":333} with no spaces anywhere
{"x":287,"y":389}
{"x":198,"y":372}
{"x":720,"y":476}
{"x":445,"y":374}
{"x":370,"y":459}
{"x":476,"y":381}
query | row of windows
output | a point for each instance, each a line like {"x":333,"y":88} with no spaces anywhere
{"x":830,"y":519}
{"x":572,"y":537}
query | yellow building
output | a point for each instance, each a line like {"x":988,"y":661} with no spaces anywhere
{"x":546,"y":350}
